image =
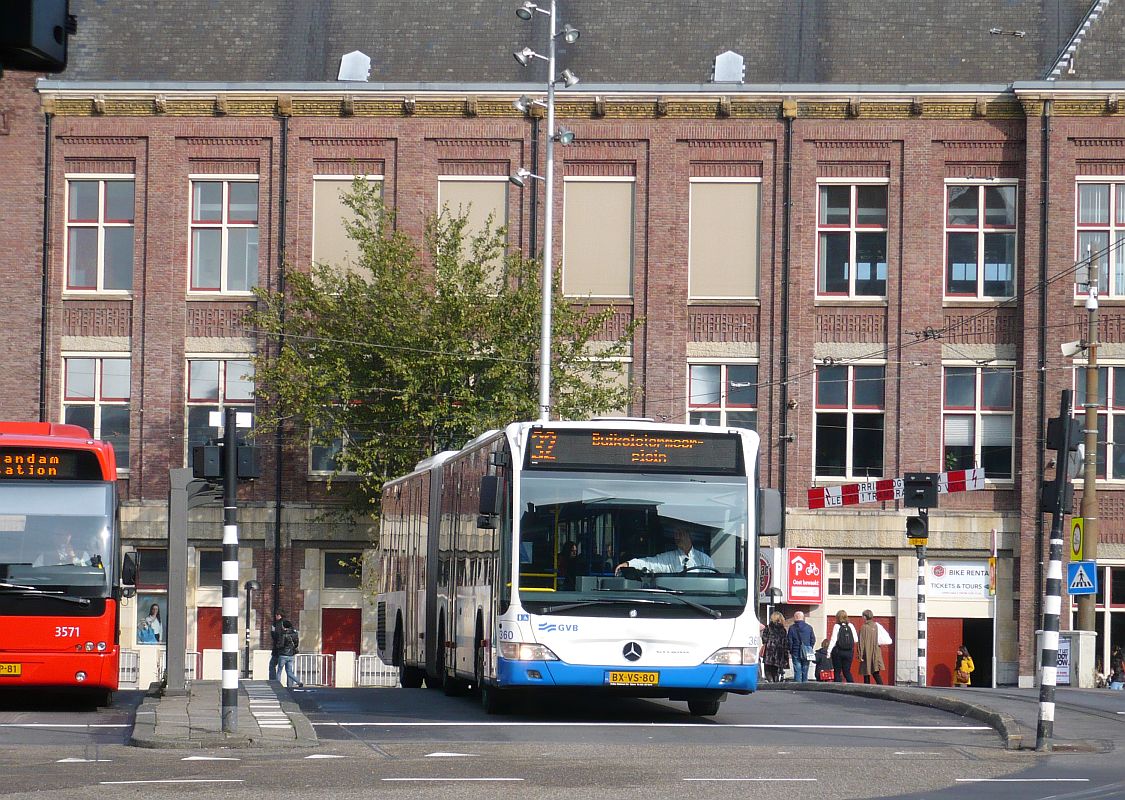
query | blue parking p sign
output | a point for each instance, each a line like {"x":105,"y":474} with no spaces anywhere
{"x":1081,"y":577}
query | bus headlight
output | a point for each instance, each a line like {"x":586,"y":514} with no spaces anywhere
{"x":101,"y":647}
{"x":89,"y":647}
{"x":526,"y":651}
{"x":734,"y":655}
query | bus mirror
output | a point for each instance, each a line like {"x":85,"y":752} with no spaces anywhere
{"x":490,"y":495}
{"x":769,"y":512}
{"x":129,"y":570}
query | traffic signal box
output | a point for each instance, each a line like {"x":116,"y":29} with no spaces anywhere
{"x":920,"y":491}
{"x":1064,"y":434}
{"x":207,"y":462}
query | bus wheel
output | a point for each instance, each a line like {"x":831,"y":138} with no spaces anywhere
{"x":409,"y":677}
{"x":101,"y":698}
{"x":492,"y":698}
{"x":703,"y":708}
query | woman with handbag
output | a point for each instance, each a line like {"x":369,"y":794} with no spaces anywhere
{"x":963,"y":668}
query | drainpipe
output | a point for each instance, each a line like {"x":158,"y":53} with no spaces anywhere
{"x":279,"y":437}
{"x":1041,"y":407}
{"x":46,"y":245}
{"x":533,"y":238}
{"x":789,"y":112}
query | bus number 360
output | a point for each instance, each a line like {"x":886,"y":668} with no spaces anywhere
{"x":64,"y":631}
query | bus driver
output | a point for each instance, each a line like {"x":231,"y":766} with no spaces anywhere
{"x":683,"y":558}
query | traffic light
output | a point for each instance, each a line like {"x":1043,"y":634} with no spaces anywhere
{"x":207,"y":461}
{"x":1064,"y":434}
{"x":920,"y":490}
{"x":1050,"y":500}
{"x":918,"y":527}
{"x":1062,"y":437}
{"x":35,"y":33}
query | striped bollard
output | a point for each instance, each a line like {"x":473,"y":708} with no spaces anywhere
{"x":230,"y":576}
{"x":921,"y":615}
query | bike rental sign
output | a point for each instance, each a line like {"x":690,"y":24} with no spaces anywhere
{"x":805,"y":575}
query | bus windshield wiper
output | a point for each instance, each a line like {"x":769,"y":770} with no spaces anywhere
{"x":17,"y":588}
{"x":675,"y":595}
{"x":638,"y":600}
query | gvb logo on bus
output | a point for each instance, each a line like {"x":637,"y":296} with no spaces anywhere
{"x":804,"y":575}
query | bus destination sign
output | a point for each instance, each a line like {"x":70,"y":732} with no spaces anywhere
{"x":48,"y":463}
{"x":633,"y":450}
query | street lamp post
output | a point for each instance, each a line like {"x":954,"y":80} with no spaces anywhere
{"x":566,"y":78}
{"x":251,"y":587}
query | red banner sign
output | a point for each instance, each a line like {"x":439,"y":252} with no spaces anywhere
{"x":805,"y":575}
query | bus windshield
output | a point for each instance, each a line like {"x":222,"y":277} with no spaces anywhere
{"x":57,"y":535}
{"x":684,"y":537}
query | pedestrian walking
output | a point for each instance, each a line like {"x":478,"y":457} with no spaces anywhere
{"x":802,"y":646}
{"x":824,"y":671}
{"x":870,"y":654}
{"x":842,"y":647}
{"x":275,"y":641}
{"x":963,"y":668}
{"x":775,"y":648}
{"x":1117,"y":669}
{"x":287,"y":652}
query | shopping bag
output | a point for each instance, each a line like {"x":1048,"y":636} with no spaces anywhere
{"x":884,"y":637}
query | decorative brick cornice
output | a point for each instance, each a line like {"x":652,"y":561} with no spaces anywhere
{"x":98,"y":141}
{"x":836,"y":325}
{"x":1097,"y":141}
{"x":711,"y":325}
{"x":345,"y":141}
{"x":454,"y":142}
{"x":854,"y":144}
{"x":723,"y":144}
{"x":221,"y":141}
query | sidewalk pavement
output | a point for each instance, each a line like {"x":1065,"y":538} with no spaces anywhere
{"x":267,"y":716}
{"x":1012,"y":712}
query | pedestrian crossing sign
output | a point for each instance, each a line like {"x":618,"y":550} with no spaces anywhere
{"x":1081,"y":577}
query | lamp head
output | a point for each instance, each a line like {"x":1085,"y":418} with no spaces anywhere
{"x":526,"y":9}
{"x":522,"y":104}
{"x":568,"y":78}
{"x":565,"y":136}
{"x":570,"y":34}
{"x":1071,"y":349}
{"x":524,"y":56}
{"x":253,"y":586}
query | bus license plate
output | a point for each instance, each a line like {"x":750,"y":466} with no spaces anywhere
{"x":622,"y":678}
{"x":10,"y":669}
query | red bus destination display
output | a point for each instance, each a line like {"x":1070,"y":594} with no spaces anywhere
{"x":45,"y":463}
{"x":705,"y":453}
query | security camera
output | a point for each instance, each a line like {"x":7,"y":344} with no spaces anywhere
{"x":1071,"y":349}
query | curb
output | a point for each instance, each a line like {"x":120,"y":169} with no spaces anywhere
{"x":1004,"y":724}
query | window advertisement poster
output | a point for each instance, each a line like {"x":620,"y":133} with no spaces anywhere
{"x":151,"y":610}
{"x":963,"y":580}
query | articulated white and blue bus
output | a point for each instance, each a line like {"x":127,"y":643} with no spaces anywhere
{"x":613,"y":555}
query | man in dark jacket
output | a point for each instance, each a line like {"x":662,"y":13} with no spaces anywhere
{"x":275,"y":642}
{"x":801,"y":636}
{"x":287,"y":652}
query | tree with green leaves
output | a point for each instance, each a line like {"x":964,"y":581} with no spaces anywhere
{"x":418,"y":347}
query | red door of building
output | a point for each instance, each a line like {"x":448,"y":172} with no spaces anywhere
{"x":208,"y":629}
{"x":943,"y":637}
{"x":888,"y":673}
{"x":340,"y":630}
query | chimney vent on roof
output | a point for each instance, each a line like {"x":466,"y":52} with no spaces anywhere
{"x":729,"y":68}
{"x":355,"y":66}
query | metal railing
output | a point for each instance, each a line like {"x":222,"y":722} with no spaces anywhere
{"x":129,"y":669}
{"x":193,"y":664}
{"x":372,"y":671}
{"x":315,"y":669}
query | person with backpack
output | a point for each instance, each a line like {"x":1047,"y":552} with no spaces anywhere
{"x":287,"y":652}
{"x":842,"y":647}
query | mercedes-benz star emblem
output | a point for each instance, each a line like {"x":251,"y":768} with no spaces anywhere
{"x":631,"y":651}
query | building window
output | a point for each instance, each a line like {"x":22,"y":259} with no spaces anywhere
{"x":980,"y":240}
{"x":99,"y":235}
{"x":330,"y":241}
{"x":865,"y":577}
{"x":978,"y":420}
{"x":483,"y":201}
{"x":327,"y":458}
{"x":850,"y":408}
{"x":342,"y":570}
{"x":1100,"y":233}
{"x":1111,"y":417}
{"x":723,"y":394}
{"x":224,"y":235}
{"x":212,"y":385}
{"x":598,"y":237}
{"x":852,"y":232}
{"x":96,"y":396}
{"x":152,"y":567}
{"x":211,"y":568}
{"x":723,"y":238}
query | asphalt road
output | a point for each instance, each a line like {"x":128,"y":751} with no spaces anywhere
{"x":400,"y":743}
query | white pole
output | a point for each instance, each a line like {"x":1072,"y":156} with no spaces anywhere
{"x":548,"y":234}
{"x":995,"y":592}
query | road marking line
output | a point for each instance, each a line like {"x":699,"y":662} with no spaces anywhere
{"x":450,"y":755}
{"x":744,"y":780}
{"x":62,"y":725}
{"x":210,"y":758}
{"x":175,"y":780}
{"x":84,"y":760}
{"x":323,"y":755}
{"x":650,"y":725}
{"x":1023,"y":780}
{"x":446,"y":780}
{"x":915,"y":753}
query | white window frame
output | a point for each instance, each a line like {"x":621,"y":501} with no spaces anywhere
{"x":980,"y":230}
{"x":852,"y":229}
{"x":223,"y":401}
{"x":722,"y":407}
{"x":979,"y":413}
{"x":344,"y":440}
{"x":224,"y":226}
{"x":851,"y":410}
{"x":691,"y":232}
{"x":379,"y":179}
{"x":98,"y":401}
{"x":560,"y":254}
{"x":1113,"y":408}
{"x":1110,"y":283}
{"x":101,"y":224}
{"x":887,"y":570}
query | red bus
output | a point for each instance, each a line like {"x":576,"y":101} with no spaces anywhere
{"x":59,"y":544}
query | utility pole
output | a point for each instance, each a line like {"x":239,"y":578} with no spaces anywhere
{"x":230,"y":574}
{"x":1086,"y":607}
